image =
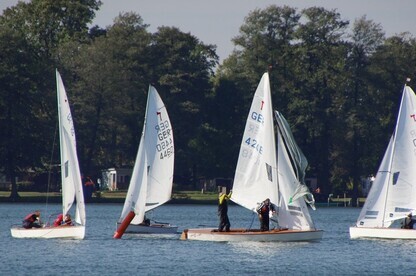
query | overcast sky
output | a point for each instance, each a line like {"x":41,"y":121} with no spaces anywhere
{"x":218,"y":21}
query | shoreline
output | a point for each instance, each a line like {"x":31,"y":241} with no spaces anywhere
{"x":118,"y":197}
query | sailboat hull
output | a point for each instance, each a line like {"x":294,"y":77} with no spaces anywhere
{"x":382,"y":233}
{"x":243,"y":235}
{"x":157,"y":228}
{"x":70,"y":232}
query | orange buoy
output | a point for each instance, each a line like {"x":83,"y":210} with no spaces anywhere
{"x":120,"y":231}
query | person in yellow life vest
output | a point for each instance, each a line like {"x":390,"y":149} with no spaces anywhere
{"x":223,"y":212}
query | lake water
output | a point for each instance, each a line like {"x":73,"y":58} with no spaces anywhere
{"x":100,"y":254}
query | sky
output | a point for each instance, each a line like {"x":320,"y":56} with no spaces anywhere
{"x":218,"y":21}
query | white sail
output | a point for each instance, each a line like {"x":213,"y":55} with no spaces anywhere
{"x":136,"y":194}
{"x":298,"y":160}
{"x":255,"y":177}
{"x":70,"y":173}
{"x":159,"y":151}
{"x":393,"y":193}
{"x":294,"y":215}
{"x":265,"y":171}
{"x":152,"y":178}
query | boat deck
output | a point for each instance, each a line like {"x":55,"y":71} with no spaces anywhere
{"x":241,"y":234}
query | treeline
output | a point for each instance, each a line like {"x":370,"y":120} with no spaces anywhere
{"x":338,"y":84}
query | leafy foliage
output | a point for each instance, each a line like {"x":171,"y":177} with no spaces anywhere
{"x":339,"y":88}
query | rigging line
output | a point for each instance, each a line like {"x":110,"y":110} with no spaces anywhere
{"x":50,"y":168}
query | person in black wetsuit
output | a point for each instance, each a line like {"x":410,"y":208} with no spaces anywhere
{"x":408,"y":222}
{"x":263,"y":210}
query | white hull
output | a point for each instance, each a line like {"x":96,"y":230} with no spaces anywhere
{"x":382,"y":233}
{"x":158,"y":228}
{"x":70,"y":232}
{"x":242,"y":235}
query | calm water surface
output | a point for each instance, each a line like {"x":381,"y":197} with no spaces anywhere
{"x":100,"y":254}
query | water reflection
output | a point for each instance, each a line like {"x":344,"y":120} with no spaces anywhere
{"x":263,"y":249}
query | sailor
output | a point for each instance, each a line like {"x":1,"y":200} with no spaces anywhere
{"x":58,"y":220}
{"x":263,"y":210}
{"x":67,"y":220}
{"x":223,"y":211}
{"x":409,"y":222}
{"x":32,"y":220}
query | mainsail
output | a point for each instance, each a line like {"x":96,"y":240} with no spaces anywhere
{"x":393,"y":193}
{"x":152,"y":178}
{"x":70,"y":173}
{"x":256,"y":176}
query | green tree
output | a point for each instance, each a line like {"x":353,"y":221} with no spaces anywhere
{"x":47,"y":23}
{"x":266,"y":41}
{"x":390,"y":65}
{"x":354,"y":135}
{"x":110,"y":81}
{"x":321,"y":53}
{"x":36,"y":30}
{"x":182,"y":69}
{"x":20,"y":110}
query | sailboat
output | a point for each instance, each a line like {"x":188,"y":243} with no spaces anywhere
{"x":265,"y":170}
{"x":392,"y":196}
{"x":152,"y":178}
{"x":70,"y":177}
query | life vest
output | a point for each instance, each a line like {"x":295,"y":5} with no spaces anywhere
{"x":31,"y":217}
{"x":58,"y":220}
